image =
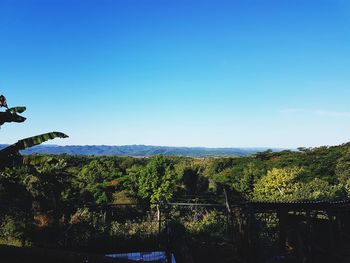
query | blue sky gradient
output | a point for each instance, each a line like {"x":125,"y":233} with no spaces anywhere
{"x":180,"y":73}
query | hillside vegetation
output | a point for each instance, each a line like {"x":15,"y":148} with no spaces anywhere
{"x":58,"y":189}
{"x":309,"y":174}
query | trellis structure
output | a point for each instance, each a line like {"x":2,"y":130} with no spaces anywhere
{"x":317,"y":231}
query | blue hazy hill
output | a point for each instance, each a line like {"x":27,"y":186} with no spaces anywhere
{"x":141,"y":150}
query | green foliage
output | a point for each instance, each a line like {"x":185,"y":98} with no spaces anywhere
{"x":11,"y":228}
{"x":157,"y":180}
{"x":190,"y":178}
{"x":98,"y":180}
{"x":278,"y":185}
{"x":66,"y":185}
{"x":12,"y":185}
{"x":342,"y":168}
{"x":81,"y":216}
{"x":211,"y":224}
{"x":123,"y":197}
{"x":134,"y":228}
{"x":251,"y":173}
{"x":317,"y":189}
{"x":58,"y":181}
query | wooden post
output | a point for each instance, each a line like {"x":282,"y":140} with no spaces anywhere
{"x":282,"y":222}
{"x":159,"y":219}
{"x":250,"y":250}
{"x":331,"y":235}
{"x":105,"y":217}
{"x":308,"y":238}
{"x":168,"y":256}
{"x":228,"y":213}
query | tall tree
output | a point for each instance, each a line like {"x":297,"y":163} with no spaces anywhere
{"x":157,"y":180}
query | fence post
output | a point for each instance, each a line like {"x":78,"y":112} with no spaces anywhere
{"x":251,"y":249}
{"x":331,"y":234}
{"x":229,"y":220}
{"x":308,"y":237}
{"x":159,"y":219}
{"x":282,"y":222}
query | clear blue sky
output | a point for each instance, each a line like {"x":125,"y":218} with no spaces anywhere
{"x":178,"y":72}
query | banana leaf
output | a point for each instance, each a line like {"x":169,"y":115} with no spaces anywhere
{"x":30,"y":142}
{"x":9,"y":116}
{"x":20,"y":109}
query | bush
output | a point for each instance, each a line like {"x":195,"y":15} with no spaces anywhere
{"x":212,"y":225}
{"x":134,"y":228}
{"x":12,"y":230}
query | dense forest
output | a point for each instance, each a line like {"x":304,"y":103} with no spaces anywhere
{"x":56,"y":182}
{"x":308,"y":174}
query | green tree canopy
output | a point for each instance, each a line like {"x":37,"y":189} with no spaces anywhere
{"x":277,"y":185}
{"x":98,"y":180}
{"x":157,"y":180}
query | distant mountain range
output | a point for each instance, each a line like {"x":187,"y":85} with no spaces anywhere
{"x":141,"y":150}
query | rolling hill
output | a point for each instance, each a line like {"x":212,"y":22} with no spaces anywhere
{"x":140,"y":150}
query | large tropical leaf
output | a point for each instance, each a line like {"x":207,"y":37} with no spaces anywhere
{"x":20,"y":109}
{"x":9,"y":116}
{"x":30,"y":142}
{"x":35,"y":140}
